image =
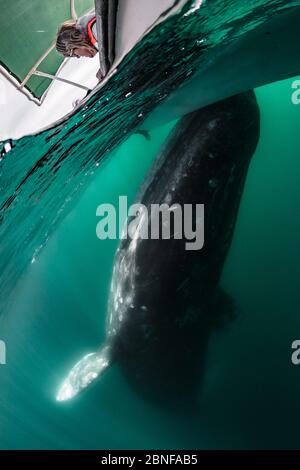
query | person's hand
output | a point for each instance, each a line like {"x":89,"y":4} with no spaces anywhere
{"x":99,"y":75}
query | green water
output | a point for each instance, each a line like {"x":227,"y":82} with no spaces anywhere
{"x":251,"y":389}
{"x":55,"y":273}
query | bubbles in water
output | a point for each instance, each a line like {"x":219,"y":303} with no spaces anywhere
{"x":162,"y":96}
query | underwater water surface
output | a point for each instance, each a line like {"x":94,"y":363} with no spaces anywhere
{"x":55,"y":273}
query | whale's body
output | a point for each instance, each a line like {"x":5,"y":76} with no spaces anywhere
{"x":165,"y":300}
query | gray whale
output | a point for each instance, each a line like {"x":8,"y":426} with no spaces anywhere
{"x":165,"y":301}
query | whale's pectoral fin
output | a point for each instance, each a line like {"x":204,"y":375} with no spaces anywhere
{"x":84,"y":373}
{"x":225,"y":310}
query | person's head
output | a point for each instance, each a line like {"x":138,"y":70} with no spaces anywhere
{"x":72,"y":41}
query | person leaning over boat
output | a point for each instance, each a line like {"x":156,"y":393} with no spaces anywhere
{"x":78,"y":38}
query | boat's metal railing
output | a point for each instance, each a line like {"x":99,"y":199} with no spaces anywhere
{"x":35,"y":71}
{"x":106,"y":12}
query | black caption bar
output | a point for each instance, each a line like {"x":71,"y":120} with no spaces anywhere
{"x":134,"y":459}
